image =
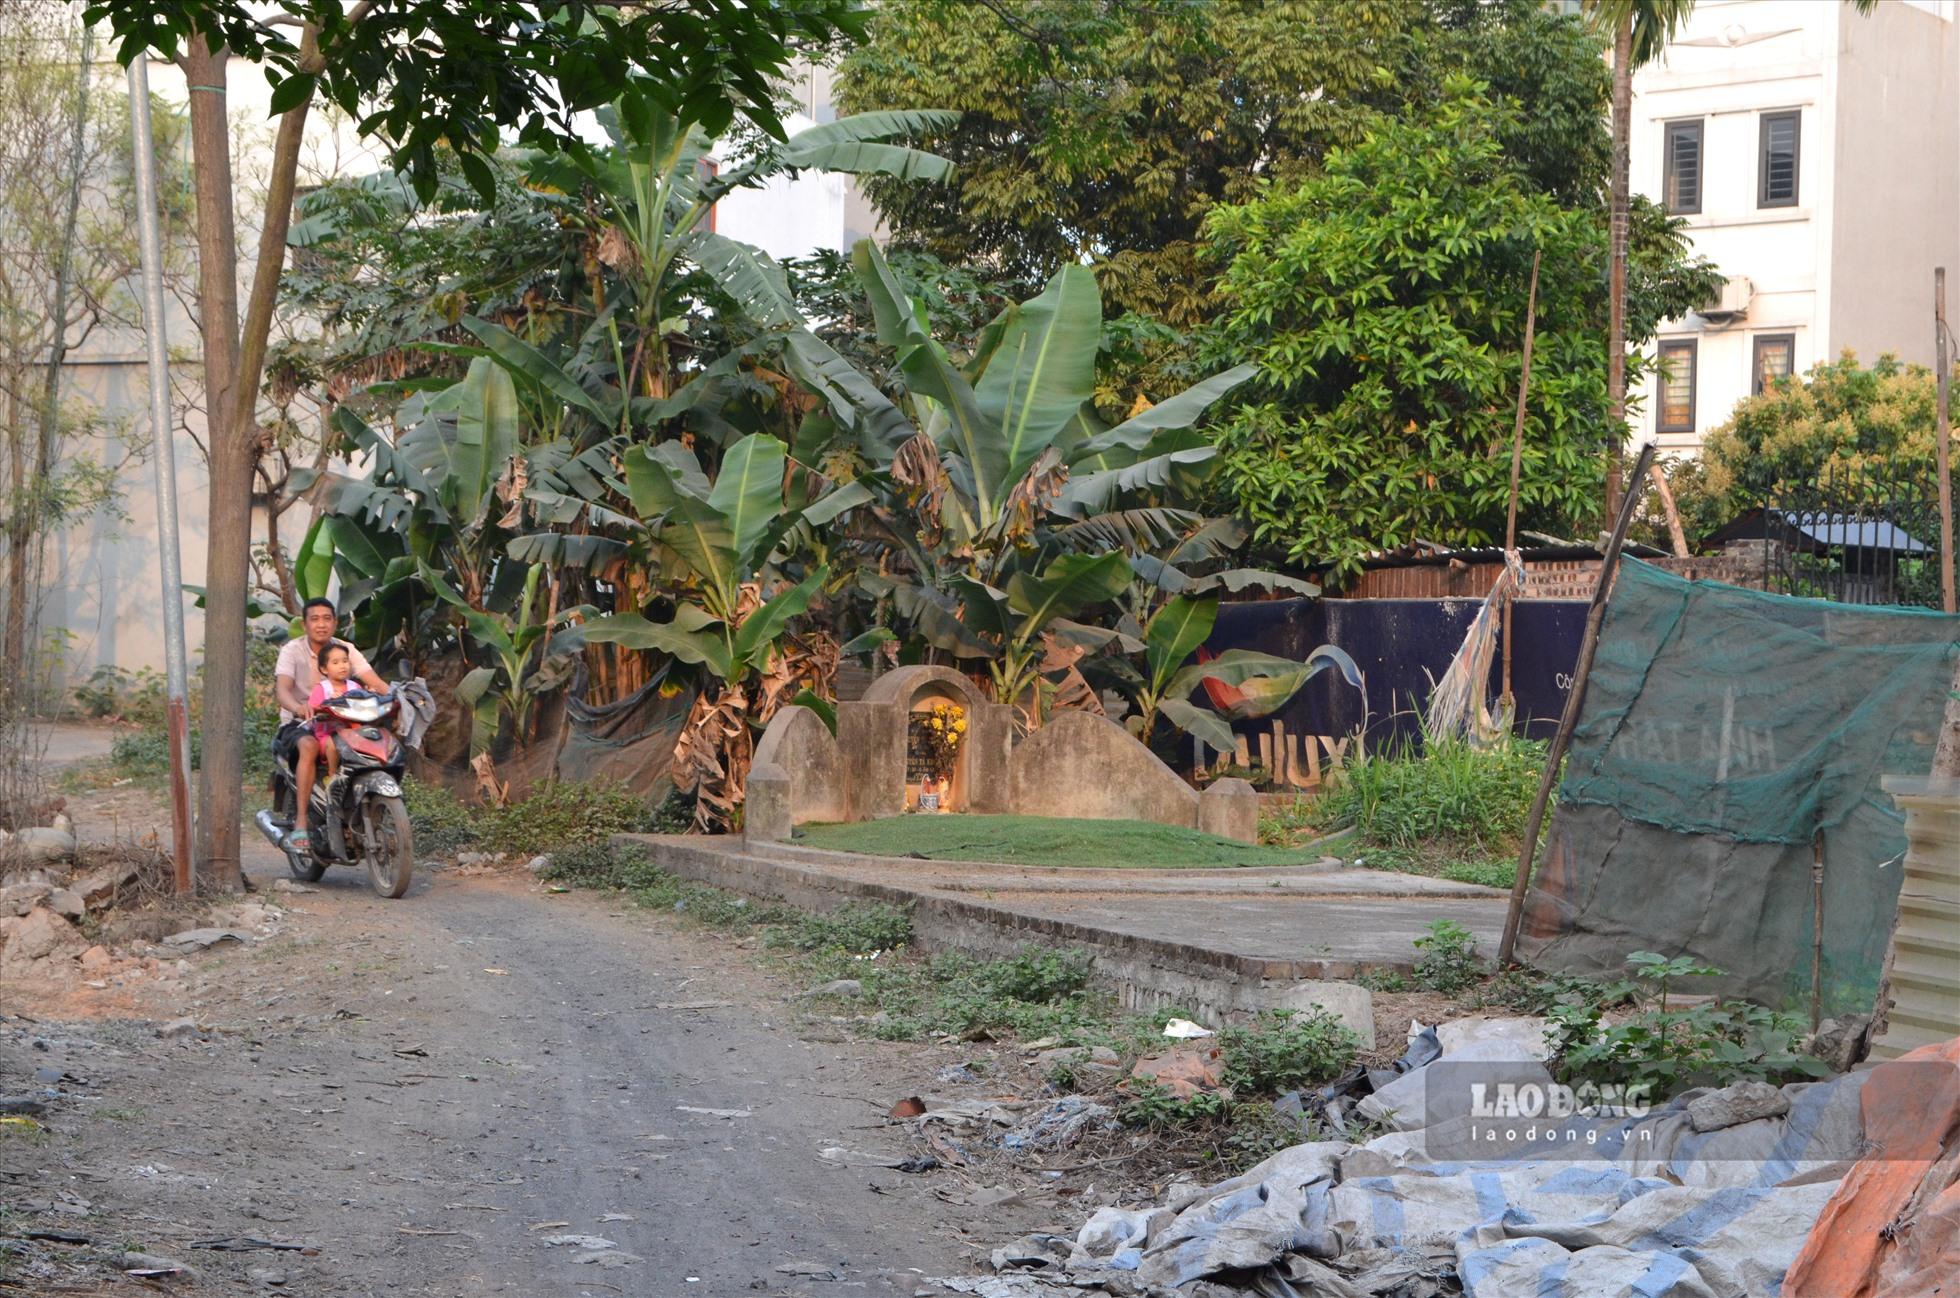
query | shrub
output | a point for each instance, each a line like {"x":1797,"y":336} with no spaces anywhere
{"x":439,"y":820}
{"x":1450,"y":791}
{"x":1447,"y":958}
{"x":1665,"y":1050}
{"x":1283,"y":1050}
{"x":1036,"y":993}
{"x":561,"y":814}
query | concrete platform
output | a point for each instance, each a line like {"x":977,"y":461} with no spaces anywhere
{"x":1213,"y":941}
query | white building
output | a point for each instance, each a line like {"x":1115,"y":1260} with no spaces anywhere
{"x":1815,"y":155}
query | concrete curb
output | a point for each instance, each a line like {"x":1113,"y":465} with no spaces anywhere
{"x":1146,"y":972}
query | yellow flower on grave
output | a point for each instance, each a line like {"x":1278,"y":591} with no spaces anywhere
{"x":959,"y":727}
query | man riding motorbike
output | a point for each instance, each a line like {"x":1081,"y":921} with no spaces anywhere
{"x":294,"y":677}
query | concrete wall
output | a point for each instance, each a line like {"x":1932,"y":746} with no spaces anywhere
{"x":1083,"y":765}
{"x":800,"y":744}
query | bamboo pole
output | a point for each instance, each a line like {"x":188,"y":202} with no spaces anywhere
{"x":1517,"y":465}
{"x":1581,"y":673}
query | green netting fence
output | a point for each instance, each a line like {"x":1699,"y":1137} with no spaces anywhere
{"x":1724,"y":734}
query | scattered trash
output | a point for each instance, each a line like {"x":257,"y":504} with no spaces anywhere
{"x":716,"y":1113}
{"x":177,"y":1028}
{"x":578,"y":1241}
{"x":293,"y":886}
{"x":1185,"y":1030}
{"x":22,"y":1104}
{"x":499,"y":973}
{"x":807,"y":1270}
{"x":616,"y":1216}
{"x":1734,"y":1105}
{"x":1058,"y":1126}
{"x":148,"y":1266}
{"x":909,"y":1107}
{"x":202,"y":939}
{"x":952,"y":1073}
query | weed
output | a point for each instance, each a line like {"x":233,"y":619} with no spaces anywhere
{"x":1663,"y":1049}
{"x":554,"y":818}
{"x":1446,"y":959}
{"x":1283,"y":1050}
{"x":1154,"y":1107}
{"x":1383,"y":980}
{"x":1450,"y":790}
{"x":563,"y":813}
{"x":859,"y":928}
{"x":438,"y":819}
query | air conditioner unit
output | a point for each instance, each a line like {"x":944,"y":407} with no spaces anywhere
{"x":1729,"y":305}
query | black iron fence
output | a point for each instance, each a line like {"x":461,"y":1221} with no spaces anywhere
{"x":1855,"y":537}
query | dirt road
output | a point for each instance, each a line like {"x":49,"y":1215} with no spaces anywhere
{"x":445,"y":1095}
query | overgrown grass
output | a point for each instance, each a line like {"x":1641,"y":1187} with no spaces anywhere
{"x":1037,"y":840}
{"x":555,"y":816}
{"x":1453,"y":810}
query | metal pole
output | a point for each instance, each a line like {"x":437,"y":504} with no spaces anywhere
{"x":163,"y":432}
{"x":1942,"y":452}
{"x":1595,"y":616}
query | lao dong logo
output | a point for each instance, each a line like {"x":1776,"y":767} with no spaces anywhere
{"x":1529,"y":1100}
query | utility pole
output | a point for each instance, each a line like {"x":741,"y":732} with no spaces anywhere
{"x":162,"y":430}
{"x":1942,"y":435}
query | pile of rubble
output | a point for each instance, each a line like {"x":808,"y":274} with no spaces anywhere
{"x":55,"y":923}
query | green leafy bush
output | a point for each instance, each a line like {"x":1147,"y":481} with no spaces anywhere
{"x":1665,"y":1050}
{"x":1283,"y":1050}
{"x":561,"y":814}
{"x":440,"y":821}
{"x":859,"y":928}
{"x":1036,"y":993}
{"x":1446,"y":959}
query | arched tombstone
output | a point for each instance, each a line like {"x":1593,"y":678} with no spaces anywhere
{"x":878,"y":736}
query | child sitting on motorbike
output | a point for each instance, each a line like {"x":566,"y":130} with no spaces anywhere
{"x":336,"y":665}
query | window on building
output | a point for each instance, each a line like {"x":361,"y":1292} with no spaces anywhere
{"x":1776,"y":169}
{"x":1775,"y":358}
{"x":1681,"y":168}
{"x":1676,"y":407}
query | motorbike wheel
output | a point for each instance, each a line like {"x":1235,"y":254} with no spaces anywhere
{"x":390,"y":846}
{"x":302,"y":864}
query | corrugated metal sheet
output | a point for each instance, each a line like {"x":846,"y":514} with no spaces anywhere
{"x":1925,"y":957}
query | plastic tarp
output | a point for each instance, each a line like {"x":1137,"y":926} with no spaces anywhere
{"x":1723,"y":730}
{"x":1665,"y":1210}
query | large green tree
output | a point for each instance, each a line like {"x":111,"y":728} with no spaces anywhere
{"x":1106,"y":130}
{"x":1384,"y":302}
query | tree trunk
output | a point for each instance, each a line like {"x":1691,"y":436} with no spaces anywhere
{"x":231,"y":451}
{"x":20,"y":536}
{"x":235,"y":441}
{"x":1616,"y":288}
{"x":1674,"y":532}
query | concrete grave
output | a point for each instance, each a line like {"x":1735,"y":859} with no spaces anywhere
{"x":1078,"y":765}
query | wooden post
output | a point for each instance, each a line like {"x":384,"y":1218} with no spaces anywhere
{"x":1942,"y":435}
{"x":1517,"y":464}
{"x":1570,"y":717}
{"x":1816,"y":930}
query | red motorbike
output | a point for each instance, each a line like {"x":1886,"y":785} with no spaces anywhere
{"x":358,"y":817}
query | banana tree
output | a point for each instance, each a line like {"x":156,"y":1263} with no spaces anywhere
{"x":528,"y":662}
{"x":1012,"y":626}
{"x":656,"y":192}
{"x":713,"y":541}
{"x":1263,"y":682}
